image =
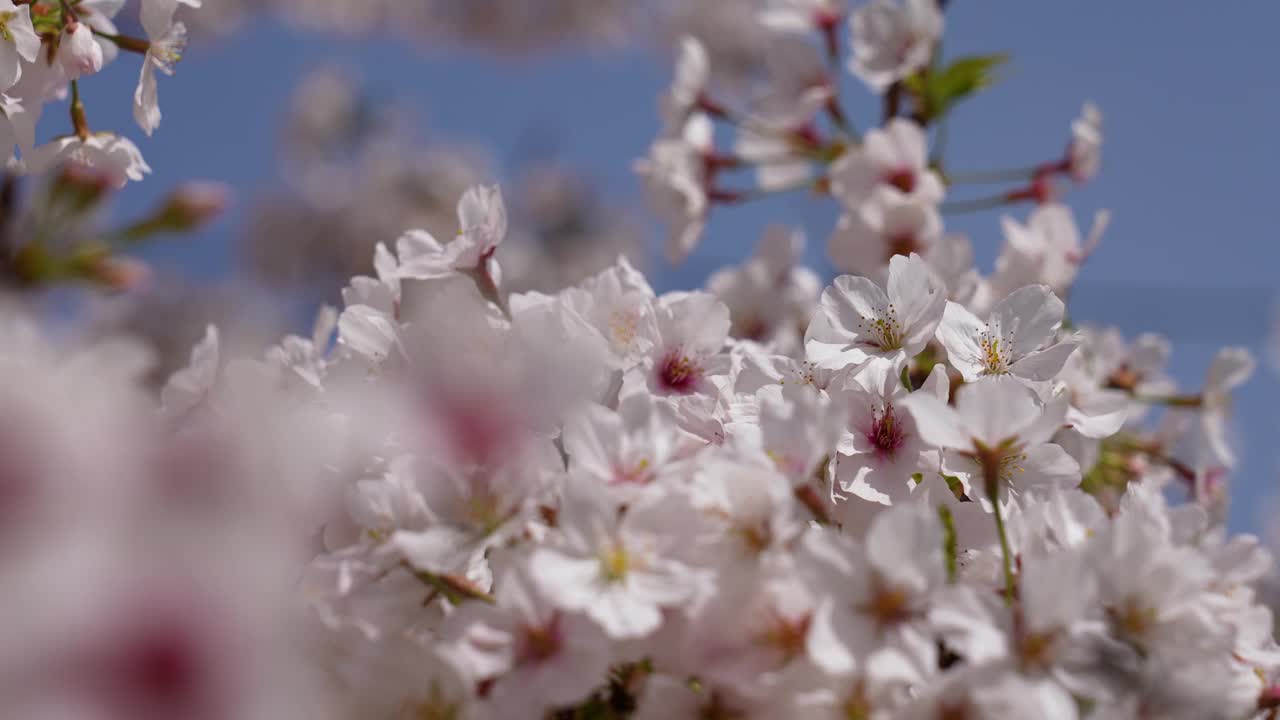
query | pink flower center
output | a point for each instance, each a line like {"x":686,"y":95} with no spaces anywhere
{"x":903,"y":178}
{"x":886,"y":433}
{"x":163,"y":669}
{"x":901,"y":244}
{"x":162,"y":666}
{"x":540,"y":643}
{"x":754,"y":328}
{"x":477,"y":428}
{"x":679,"y":374}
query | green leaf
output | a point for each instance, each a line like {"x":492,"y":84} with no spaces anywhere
{"x":937,"y":90}
{"x":970,"y":74}
{"x":956,"y":487}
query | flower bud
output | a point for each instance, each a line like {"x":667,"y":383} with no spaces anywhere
{"x":193,"y":204}
{"x":118,"y":274}
{"x":187,"y":208}
{"x":80,"y":188}
{"x":79,"y":53}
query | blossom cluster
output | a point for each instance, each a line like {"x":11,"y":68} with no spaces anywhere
{"x":917,"y":492}
{"x":50,"y":226}
{"x":47,"y":48}
{"x":601,"y":498}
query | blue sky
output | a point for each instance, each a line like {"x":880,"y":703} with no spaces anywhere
{"x":1191,"y":114}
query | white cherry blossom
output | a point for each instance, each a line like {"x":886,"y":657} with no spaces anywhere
{"x":895,"y":159}
{"x":1018,"y":338}
{"x":887,"y":225}
{"x":998,"y":434}
{"x":892,"y":39}
{"x":107,"y":152}
{"x":78,"y":51}
{"x":18,"y":41}
{"x":857,"y":319}
{"x":620,"y":571}
{"x":675,"y":178}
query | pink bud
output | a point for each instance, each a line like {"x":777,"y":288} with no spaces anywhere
{"x":79,"y":53}
{"x":120,"y":274}
{"x":81,"y":187}
{"x":195,"y":203}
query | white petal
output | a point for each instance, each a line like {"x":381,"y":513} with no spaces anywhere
{"x":917,"y":299}
{"x":189,"y":386}
{"x":1099,"y":414}
{"x":1230,"y":367}
{"x":10,"y":65}
{"x":996,"y":409}
{"x":959,"y":333}
{"x":1028,"y":318}
{"x":905,"y":544}
{"x":25,"y":39}
{"x":157,"y":17}
{"x":1043,"y":365}
{"x":938,"y":423}
{"x":1046,"y":466}
{"x":938,"y":384}
{"x":824,"y":642}
{"x":568,"y":582}
{"x":146,"y":99}
{"x":367,"y":331}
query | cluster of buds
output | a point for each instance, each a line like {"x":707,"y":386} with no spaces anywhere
{"x":53,"y":238}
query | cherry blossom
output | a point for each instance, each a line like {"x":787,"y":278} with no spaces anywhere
{"x":893,"y":158}
{"x":19,"y":41}
{"x":112,"y":154}
{"x":675,"y":175}
{"x":885,"y":226}
{"x":1018,"y":338}
{"x":893,"y":39}
{"x":78,"y":52}
{"x":168,"y":40}
{"x":857,"y":319}
{"x":619,"y":571}
{"x":998,"y":432}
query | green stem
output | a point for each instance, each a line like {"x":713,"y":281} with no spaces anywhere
{"x":993,"y":493}
{"x":79,"y":122}
{"x":136,"y":233}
